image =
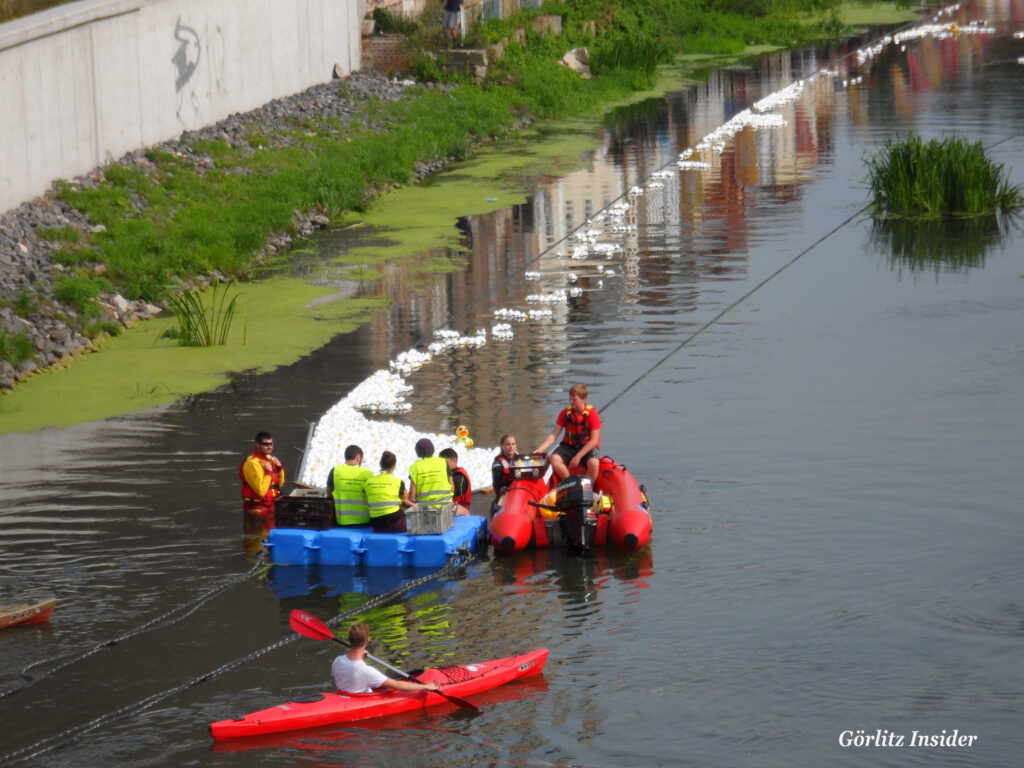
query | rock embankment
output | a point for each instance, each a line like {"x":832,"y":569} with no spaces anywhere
{"x":37,"y":330}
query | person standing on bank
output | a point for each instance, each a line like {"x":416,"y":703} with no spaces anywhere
{"x":353,"y":675}
{"x":386,"y":497}
{"x":429,"y":476}
{"x":452,"y":22}
{"x":582,"y":439}
{"x":345,"y":484}
{"x":262,"y":476}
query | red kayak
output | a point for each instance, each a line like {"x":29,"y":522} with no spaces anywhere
{"x":343,"y":707}
{"x":26,"y":613}
{"x":624,"y":519}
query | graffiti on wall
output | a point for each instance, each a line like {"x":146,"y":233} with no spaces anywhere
{"x":186,"y":58}
{"x":193,"y":51}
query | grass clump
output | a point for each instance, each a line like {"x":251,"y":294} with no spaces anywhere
{"x":394,"y":23}
{"x":59,"y":234}
{"x":80,"y":290}
{"x":914,"y":179}
{"x":15,"y":348}
{"x":24,"y":304}
{"x":200,"y":325}
{"x":632,"y":52}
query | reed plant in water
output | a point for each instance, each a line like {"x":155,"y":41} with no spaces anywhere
{"x":914,"y":179}
{"x":200,"y":325}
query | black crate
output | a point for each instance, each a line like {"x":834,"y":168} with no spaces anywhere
{"x":305,"y":508}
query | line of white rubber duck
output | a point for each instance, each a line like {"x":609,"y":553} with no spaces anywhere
{"x":386,"y":392}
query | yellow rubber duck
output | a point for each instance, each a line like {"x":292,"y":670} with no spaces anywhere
{"x":462,"y":436}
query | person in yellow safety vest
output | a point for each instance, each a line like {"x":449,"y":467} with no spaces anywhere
{"x":385,"y":497}
{"x":429,"y":476}
{"x":345,"y":484}
{"x":262,"y":477}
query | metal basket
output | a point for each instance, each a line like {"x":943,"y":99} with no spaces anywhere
{"x":427,"y":518}
{"x":528,"y":467}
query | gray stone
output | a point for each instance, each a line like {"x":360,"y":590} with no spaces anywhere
{"x":549,"y":24}
{"x":108,"y":311}
{"x":496,"y":51}
{"x":578,"y":60}
{"x":121,"y":304}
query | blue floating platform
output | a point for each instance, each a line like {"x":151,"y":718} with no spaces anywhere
{"x":360,"y":545}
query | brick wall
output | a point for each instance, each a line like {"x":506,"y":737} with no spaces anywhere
{"x":385,"y":54}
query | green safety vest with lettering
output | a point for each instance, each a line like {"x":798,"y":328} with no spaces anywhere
{"x":383,"y":494}
{"x":349,"y":498}
{"x":431,"y":478}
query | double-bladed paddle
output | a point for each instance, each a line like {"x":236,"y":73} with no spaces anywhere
{"x":310,"y":626}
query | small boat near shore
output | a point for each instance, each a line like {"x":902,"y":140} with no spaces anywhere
{"x":337,"y":707}
{"x":621,"y":515}
{"x":26,"y":613}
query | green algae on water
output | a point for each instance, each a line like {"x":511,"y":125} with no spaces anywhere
{"x":278,"y":321}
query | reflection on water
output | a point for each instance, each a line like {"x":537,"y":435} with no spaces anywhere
{"x":833,"y":466}
{"x":949,"y":245}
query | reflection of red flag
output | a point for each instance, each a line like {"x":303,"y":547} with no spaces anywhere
{"x":917,"y":82}
{"x":746,"y":157}
{"x":950,"y":52}
{"x":804,"y":132}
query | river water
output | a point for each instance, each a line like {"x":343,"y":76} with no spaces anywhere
{"x":828,"y":420}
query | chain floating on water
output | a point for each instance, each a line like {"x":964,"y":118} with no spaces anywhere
{"x":159,"y":622}
{"x":456,"y":563}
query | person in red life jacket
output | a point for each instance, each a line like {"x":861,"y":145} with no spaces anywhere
{"x":462,"y":491}
{"x":582,"y":439}
{"x":262,"y":476}
{"x":501,"y":470}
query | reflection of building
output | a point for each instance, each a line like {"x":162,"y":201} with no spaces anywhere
{"x":689,"y":229}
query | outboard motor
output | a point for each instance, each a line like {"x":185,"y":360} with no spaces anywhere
{"x":574,"y":499}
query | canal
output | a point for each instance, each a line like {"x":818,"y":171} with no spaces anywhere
{"x":827,"y":415}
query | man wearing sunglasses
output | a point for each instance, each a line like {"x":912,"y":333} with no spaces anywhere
{"x":262,"y":476}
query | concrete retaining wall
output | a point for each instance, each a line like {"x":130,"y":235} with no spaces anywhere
{"x":87,"y":82}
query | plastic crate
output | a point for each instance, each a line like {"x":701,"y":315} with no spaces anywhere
{"x":307,"y":508}
{"x":426,"y":518}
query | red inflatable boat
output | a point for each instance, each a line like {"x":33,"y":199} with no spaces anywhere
{"x":623,"y":518}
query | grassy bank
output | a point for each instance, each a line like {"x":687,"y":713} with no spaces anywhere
{"x":176,"y":218}
{"x":213,"y":207}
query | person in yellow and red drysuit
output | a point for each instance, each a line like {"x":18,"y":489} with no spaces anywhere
{"x":262,"y":476}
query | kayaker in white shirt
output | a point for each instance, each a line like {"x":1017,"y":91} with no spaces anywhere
{"x":353,"y":675}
